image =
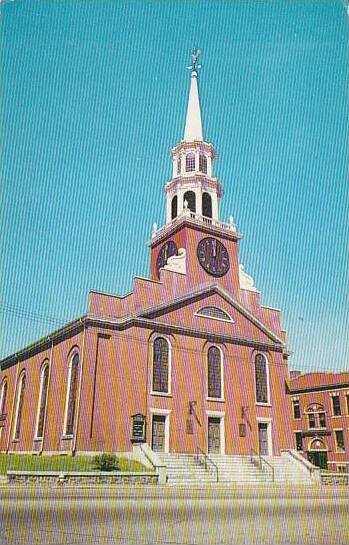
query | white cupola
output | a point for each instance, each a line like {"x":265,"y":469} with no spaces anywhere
{"x":192,"y":187}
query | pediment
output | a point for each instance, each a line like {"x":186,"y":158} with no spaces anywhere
{"x":212,"y":310}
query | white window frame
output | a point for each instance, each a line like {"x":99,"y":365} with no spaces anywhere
{"x":45,"y":365}
{"x":222,"y":398}
{"x":261,"y":403}
{"x":221,"y":416}
{"x":18,"y":390}
{"x":72,"y":355}
{"x":3,"y":384}
{"x":166,"y":413}
{"x":169,"y":379}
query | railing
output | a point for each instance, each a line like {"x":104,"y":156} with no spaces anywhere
{"x":257,"y":460}
{"x":203,"y":459}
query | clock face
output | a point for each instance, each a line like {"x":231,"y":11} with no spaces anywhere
{"x":166,"y":251}
{"x":213,"y":256}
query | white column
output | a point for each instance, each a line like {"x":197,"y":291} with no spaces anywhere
{"x":215,"y":213}
{"x":168,"y":207}
{"x":198,"y":198}
{"x":209,"y":166}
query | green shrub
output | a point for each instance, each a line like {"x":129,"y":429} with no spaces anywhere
{"x":106,"y":462}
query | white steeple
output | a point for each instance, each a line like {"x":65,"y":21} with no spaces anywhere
{"x":193,"y":125}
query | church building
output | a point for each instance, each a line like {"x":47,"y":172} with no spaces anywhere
{"x":190,"y":359}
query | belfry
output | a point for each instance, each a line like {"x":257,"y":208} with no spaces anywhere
{"x":189,"y":364}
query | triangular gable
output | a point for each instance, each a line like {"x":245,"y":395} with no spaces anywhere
{"x":182,"y":309}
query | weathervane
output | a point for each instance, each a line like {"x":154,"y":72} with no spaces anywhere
{"x":194,"y":59}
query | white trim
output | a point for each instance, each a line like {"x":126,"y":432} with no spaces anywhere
{"x":3,"y":383}
{"x":268,"y":421}
{"x":221,"y":416}
{"x":268,"y":403}
{"x":45,"y":364}
{"x":18,"y":392}
{"x":169,"y":379}
{"x":166,"y":414}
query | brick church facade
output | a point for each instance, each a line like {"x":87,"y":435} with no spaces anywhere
{"x":190,"y":358}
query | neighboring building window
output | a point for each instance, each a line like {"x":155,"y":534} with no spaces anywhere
{"x":174,"y":207}
{"x":316,"y":416}
{"x":203,"y":163}
{"x":341,"y":468}
{"x":299,"y":440}
{"x":296,"y":409}
{"x":336,"y":405}
{"x":214,"y":361}
{"x":189,"y":196}
{"x":179,"y":165}
{"x":312,"y":420}
{"x":42,"y":401}
{"x":19,"y":406}
{"x":347,"y":398}
{"x":261,"y":375}
{"x":190,"y":162}
{"x":3,"y":397}
{"x":340,"y":447}
{"x":71,"y":395}
{"x":322,"y":420}
{"x":161,"y":357}
{"x":206,"y":205}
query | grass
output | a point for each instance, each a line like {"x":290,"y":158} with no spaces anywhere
{"x":29,"y":462}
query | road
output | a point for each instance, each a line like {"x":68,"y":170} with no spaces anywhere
{"x":162,"y":516}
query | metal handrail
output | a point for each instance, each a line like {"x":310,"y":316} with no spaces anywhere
{"x":255,"y":455}
{"x":201,"y":455}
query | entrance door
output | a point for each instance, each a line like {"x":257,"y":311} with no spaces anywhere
{"x":158,"y":433}
{"x":214,"y":435}
{"x":318,"y":458}
{"x":263,"y":438}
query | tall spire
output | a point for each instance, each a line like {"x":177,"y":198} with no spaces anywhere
{"x":193,"y":125}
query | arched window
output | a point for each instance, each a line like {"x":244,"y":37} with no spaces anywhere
{"x":179,"y":165}
{"x":214,"y":372}
{"x":261,"y":375}
{"x":3,"y":396}
{"x":19,"y":406}
{"x":161,"y":365}
{"x":190,"y":162}
{"x":206,"y":205}
{"x":203,"y":163}
{"x":42,"y":401}
{"x":174,"y":207}
{"x":189,"y":196}
{"x":71,"y":395}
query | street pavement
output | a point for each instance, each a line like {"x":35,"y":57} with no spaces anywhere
{"x":156,"y":515}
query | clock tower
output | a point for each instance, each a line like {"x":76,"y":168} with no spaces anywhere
{"x":194,"y":241}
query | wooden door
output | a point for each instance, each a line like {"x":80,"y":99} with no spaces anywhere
{"x":263,"y":439}
{"x":214,"y":435}
{"x":158,"y":433}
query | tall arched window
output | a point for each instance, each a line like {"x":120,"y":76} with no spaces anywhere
{"x":19,"y":406}
{"x":190,"y":197}
{"x":161,"y":365}
{"x":3,"y":396}
{"x":261,"y":375}
{"x":203,"y":163}
{"x":190,"y":162}
{"x":214,"y":372}
{"x":71,"y":395}
{"x":42,"y":401}
{"x":174,"y":207}
{"x":206,"y":205}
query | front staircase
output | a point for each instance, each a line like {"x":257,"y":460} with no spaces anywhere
{"x":184,"y":469}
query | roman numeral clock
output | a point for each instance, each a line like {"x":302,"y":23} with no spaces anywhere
{"x":213,"y":256}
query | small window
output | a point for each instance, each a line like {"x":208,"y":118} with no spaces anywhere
{"x":214,"y":372}
{"x":312,"y":420}
{"x":71,"y":395}
{"x":174,"y":207}
{"x":261,"y":377}
{"x":161,"y":357}
{"x":214,"y":312}
{"x":19,"y":406}
{"x":341,"y":468}
{"x":347,"y":398}
{"x":190,"y":162}
{"x":336,"y":405}
{"x":179,"y":165}
{"x":203,"y":163}
{"x":42,"y":401}
{"x":299,"y":440}
{"x":296,"y":409}
{"x":340,"y":446}
{"x":3,"y":397}
{"x":322,"y":420}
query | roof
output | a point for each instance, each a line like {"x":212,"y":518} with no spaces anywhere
{"x":319,"y":380}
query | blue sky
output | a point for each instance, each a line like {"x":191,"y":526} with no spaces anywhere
{"x":94,"y":98}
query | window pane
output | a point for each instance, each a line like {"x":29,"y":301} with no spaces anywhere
{"x":336,"y":406}
{"x":160,"y":365}
{"x":312,"y":422}
{"x":3,"y":397}
{"x":19,"y":407}
{"x":214,"y":373}
{"x":203,"y":163}
{"x":43,"y":400}
{"x":72,"y":395}
{"x":190,"y":162}
{"x":261,"y":379}
{"x":296,"y":409}
{"x":340,"y":440}
{"x":322,"y":420}
{"x":299,"y":441}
